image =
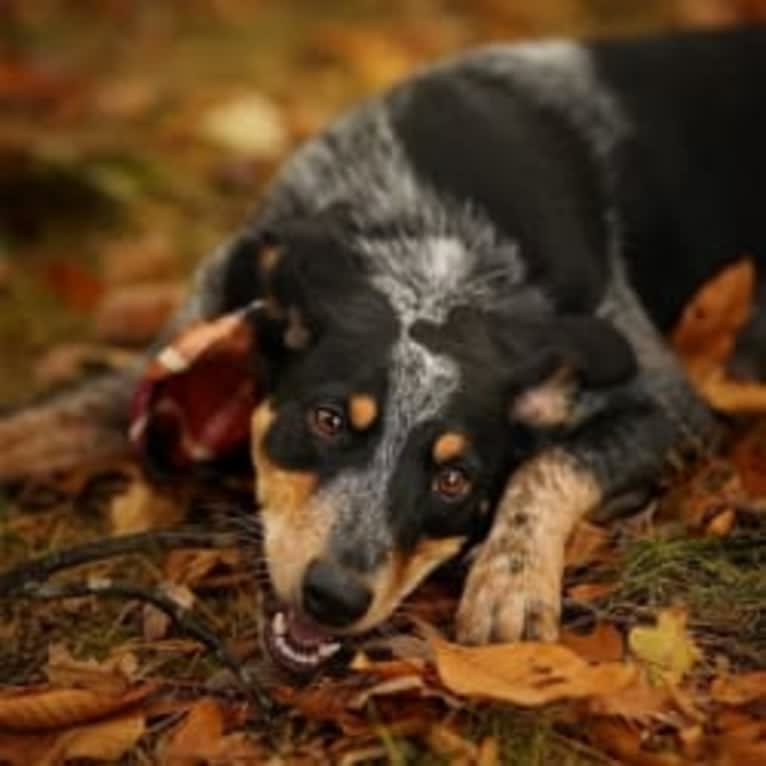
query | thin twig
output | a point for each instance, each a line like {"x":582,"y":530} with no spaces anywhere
{"x":182,"y":618}
{"x":39,"y":570}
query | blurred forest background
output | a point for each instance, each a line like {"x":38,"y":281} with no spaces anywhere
{"x":135,"y":133}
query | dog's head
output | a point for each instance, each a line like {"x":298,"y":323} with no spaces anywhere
{"x":395,"y":411}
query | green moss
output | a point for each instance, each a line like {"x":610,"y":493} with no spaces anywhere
{"x":721,"y":581}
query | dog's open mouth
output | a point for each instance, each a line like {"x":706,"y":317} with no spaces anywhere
{"x":298,"y":645}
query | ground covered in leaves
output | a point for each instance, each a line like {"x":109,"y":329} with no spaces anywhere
{"x":133,"y":136}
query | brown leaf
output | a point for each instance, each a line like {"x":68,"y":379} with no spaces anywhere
{"x":77,"y":288}
{"x":624,"y":741}
{"x":749,"y":457}
{"x":112,"y":677}
{"x":198,"y":736}
{"x":450,"y":746}
{"x":189,"y":567}
{"x":151,"y":258}
{"x":587,"y":544}
{"x":722,"y":524}
{"x":25,"y":749}
{"x":67,"y":362}
{"x":388,"y":688}
{"x":44,"y":709}
{"x":639,"y":702}
{"x":140,"y":508}
{"x":741,"y":689}
{"x":590,"y":591}
{"x":135,"y":314}
{"x":603,"y":644}
{"x":725,"y":395}
{"x":528,"y":674}
{"x":706,"y":332}
{"x":103,"y":741}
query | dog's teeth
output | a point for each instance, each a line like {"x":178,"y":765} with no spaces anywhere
{"x":327,"y":650}
{"x":299,"y":658}
{"x":278,"y":624}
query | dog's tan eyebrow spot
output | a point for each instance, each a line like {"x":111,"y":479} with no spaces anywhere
{"x":362,"y":410}
{"x":268,"y":258}
{"x":449,"y":446}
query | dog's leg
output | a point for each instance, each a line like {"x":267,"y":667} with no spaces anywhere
{"x":513,"y":590}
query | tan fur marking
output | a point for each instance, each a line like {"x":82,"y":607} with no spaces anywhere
{"x":296,"y":526}
{"x":362,"y":410}
{"x":297,"y":335}
{"x":547,"y":404}
{"x":514,"y":586}
{"x":268,"y":258}
{"x":400,"y":575}
{"x":449,"y":446}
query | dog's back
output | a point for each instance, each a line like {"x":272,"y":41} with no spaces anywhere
{"x":691,"y":172}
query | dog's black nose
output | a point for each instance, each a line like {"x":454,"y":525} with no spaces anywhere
{"x":333,"y":596}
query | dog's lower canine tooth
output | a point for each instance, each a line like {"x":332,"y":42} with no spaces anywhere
{"x":278,"y":624}
{"x":328,"y":650}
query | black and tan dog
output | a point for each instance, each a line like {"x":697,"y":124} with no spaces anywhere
{"x":458,"y":293}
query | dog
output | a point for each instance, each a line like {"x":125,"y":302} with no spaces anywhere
{"x":453,"y":303}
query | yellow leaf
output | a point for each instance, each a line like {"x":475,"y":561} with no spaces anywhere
{"x":666,"y":648}
{"x":528,"y":674}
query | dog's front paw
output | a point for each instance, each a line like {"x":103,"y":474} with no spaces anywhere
{"x":508,"y":599}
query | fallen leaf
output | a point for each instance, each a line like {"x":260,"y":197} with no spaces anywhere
{"x":140,"y":508}
{"x":189,"y":567}
{"x":44,"y":709}
{"x":666,"y":648}
{"x":134,"y":314}
{"x":730,"y":396}
{"x":74,"y":285}
{"x":722,"y":524}
{"x":450,"y":746}
{"x":603,"y":644}
{"x":590,"y":591}
{"x":749,"y":458}
{"x":528,"y":674}
{"x":111,"y":677}
{"x":102,"y":741}
{"x":251,"y":124}
{"x":624,"y":740}
{"x":69,"y":361}
{"x":741,"y":689}
{"x":706,"y":332}
{"x":489,"y":752}
{"x":640,"y":702}
{"x":198,"y":735}
{"x":150,"y":258}
{"x":586,"y":544}
{"x":387,"y":688}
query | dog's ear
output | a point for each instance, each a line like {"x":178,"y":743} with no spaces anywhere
{"x":276,"y":292}
{"x":301,"y":270}
{"x":564,"y":357}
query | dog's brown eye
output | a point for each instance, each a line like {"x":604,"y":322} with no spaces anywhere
{"x":452,"y":484}
{"x":326,"y":422}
